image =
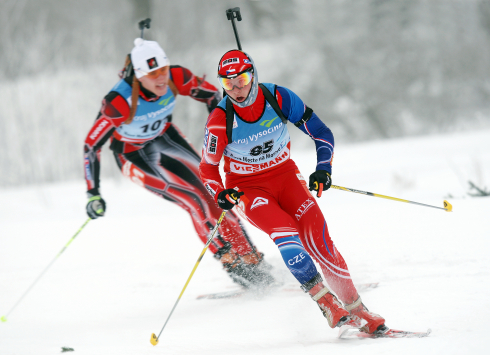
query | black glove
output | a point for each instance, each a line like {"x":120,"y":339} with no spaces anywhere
{"x":214,"y":101}
{"x":95,"y":207}
{"x":319,"y":179}
{"x":227,"y":199}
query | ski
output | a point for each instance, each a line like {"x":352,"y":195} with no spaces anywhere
{"x":349,"y":332}
{"x":243,"y":292}
{"x":220,"y":295}
{"x":366,"y":286}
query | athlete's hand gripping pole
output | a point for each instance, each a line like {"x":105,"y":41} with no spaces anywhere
{"x":154,"y":339}
{"x":447,"y":206}
{"x":227,"y":199}
{"x":4,"y":318}
{"x":320,"y":181}
{"x":231,"y":14}
{"x":96,"y":207}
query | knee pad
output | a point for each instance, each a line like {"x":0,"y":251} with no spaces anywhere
{"x":296,"y":258}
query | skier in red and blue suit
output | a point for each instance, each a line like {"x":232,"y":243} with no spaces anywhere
{"x":248,"y":128}
{"x":151,"y":151}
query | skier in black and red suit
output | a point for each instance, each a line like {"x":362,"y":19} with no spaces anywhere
{"x":151,"y":151}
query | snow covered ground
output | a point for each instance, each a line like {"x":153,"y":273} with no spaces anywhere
{"x":117,"y":282}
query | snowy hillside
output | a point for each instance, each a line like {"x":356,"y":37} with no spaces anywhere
{"x":117,"y":282}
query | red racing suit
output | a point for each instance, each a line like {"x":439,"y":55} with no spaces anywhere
{"x":154,"y":154}
{"x":276,"y":198}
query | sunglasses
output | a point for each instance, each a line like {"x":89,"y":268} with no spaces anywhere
{"x":239,"y":81}
{"x":155,"y":73}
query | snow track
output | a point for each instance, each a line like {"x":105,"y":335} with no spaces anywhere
{"x":117,"y":282}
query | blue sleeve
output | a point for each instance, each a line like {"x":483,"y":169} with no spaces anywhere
{"x":294,"y":108}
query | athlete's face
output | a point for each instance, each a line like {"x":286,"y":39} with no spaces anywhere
{"x":239,"y":94}
{"x":156,"y":81}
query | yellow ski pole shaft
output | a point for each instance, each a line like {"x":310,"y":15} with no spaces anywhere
{"x":4,"y":318}
{"x":447,"y":206}
{"x":154,"y":339}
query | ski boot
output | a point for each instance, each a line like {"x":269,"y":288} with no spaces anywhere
{"x":250,"y":271}
{"x":367,"y":322}
{"x":330,"y":306}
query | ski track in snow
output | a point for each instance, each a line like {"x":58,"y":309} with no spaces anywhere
{"x":119,"y":279}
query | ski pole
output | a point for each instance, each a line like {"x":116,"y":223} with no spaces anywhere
{"x":447,"y":206}
{"x":4,"y":318}
{"x":231,"y":14}
{"x":154,"y":339}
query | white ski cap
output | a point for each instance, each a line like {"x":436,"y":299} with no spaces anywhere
{"x":147,"y":56}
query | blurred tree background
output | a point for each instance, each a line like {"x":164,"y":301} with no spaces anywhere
{"x":371,"y":69}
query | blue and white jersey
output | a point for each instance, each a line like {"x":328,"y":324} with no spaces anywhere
{"x":150,"y":119}
{"x":257,"y":146}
